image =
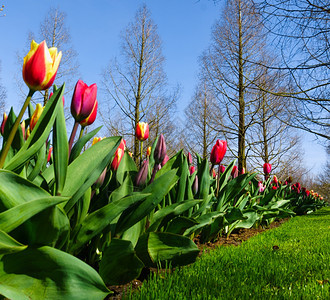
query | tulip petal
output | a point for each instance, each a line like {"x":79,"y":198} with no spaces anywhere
{"x":88,"y":101}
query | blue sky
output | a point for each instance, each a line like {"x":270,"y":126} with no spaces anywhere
{"x":184,"y":27}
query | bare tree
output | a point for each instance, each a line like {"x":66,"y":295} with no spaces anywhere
{"x":3,"y":95}
{"x":236,"y":38}
{"x":137,"y":83}
{"x":202,"y":121}
{"x":300,"y":30}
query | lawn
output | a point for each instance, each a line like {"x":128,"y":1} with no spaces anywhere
{"x":288,"y":262}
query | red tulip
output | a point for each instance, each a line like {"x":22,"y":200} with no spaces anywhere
{"x":191,"y":170}
{"x":222,"y":168}
{"x":49,"y":154}
{"x":83,"y":100}
{"x":118,"y":155}
{"x":40,"y":66}
{"x":142,"y":131}
{"x":218,"y":152}
{"x":51,"y":94}
{"x":267,"y":168}
{"x":3,"y":124}
{"x":91,"y":118}
{"x":234,"y":172}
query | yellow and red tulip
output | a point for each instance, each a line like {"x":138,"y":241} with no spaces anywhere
{"x":36,"y":115}
{"x":91,"y":118}
{"x":118,"y":155}
{"x":142,"y":131}
{"x":40,"y":66}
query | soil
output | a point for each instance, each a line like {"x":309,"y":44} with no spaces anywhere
{"x":234,"y":239}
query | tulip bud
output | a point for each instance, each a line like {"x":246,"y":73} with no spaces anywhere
{"x":189,"y":159}
{"x":195,"y":185}
{"x":98,"y":183}
{"x":118,"y":155}
{"x":3,"y":124}
{"x":274,"y":187}
{"x":40,"y":66}
{"x":96,"y":140}
{"x":160,"y":150}
{"x":49,"y":154}
{"x":83,"y":100}
{"x":23,"y":129}
{"x":214,"y":174}
{"x":165,"y":160}
{"x":191,"y":170}
{"x":141,"y":177}
{"x":222,"y":168}
{"x":130,"y":154}
{"x":275,"y":180}
{"x":218,"y":152}
{"x":267,"y":168}
{"x":142,"y":131}
{"x":234,"y":172}
{"x":91,"y":118}
{"x":148,"y":151}
{"x":36,"y":115}
{"x":243,"y":171}
{"x":51,"y":94}
{"x":261,"y":187}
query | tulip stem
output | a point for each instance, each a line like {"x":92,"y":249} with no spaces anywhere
{"x":73,"y":134}
{"x":141,"y":154}
{"x":81,"y":132}
{"x":218,"y":181}
{"x":14,"y":129}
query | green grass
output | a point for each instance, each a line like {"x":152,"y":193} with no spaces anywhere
{"x":299,"y":269}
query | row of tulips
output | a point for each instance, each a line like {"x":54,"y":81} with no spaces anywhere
{"x":73,"y":222}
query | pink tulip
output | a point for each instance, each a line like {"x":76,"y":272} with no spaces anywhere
{"x":267,"y":168}
{"x":91,"y":118}
{"x":83,"y":100}
{"x":218,"y":152}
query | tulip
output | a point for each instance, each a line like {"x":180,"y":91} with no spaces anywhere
{"x":83,"y":100}
{"x":96,"y":140}
{"x":23,"y":129}
{"x":234,"y":172}
{"x":91,"y":118}
{"x":261,"y":187}
{"x":267,"y":168}
{"x":3,"y":124}
{"x":218,"y":152}
{"x":274,"y":187}
{"x":160,"y":150}
{"x":36,"y":115}
{"x":142,"y":131}
{"x":214,"y":174}
{"x":118,"y":155}
{"x":189,"y":159}
{"x":191,"y":170}
{"x":141,"y":177}
{"x":275,"y":180}
{"x":148,"y":152}
{"x":165,"y":160}
{"x":195,"y":185}
{"x":98,"y":183}
{"x":222,"y":169}
{"x":40,"y":66}
{"x":51,"y":94}
{"x":49,"y":154}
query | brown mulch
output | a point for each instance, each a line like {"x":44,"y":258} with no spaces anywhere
{"x":234,"y":239}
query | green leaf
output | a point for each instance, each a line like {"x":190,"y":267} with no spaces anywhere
{"x":39,"y":134}
{"x":94,"y":223}
{"x":157,"y":190}
{"x":119,"y":264}
{"x":126,"y":166}
{"x":12,"y":218}
{"x":87,"y":168}
{"x":8,"y":244}
{"x":164,"y":215}
{"x":40,"y":157}
{"x":79,"y":145}
{"x":165,"y":248}
{"x":61,"y":150}
{"x":180,"y":224}
{"x":48,"y":273}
